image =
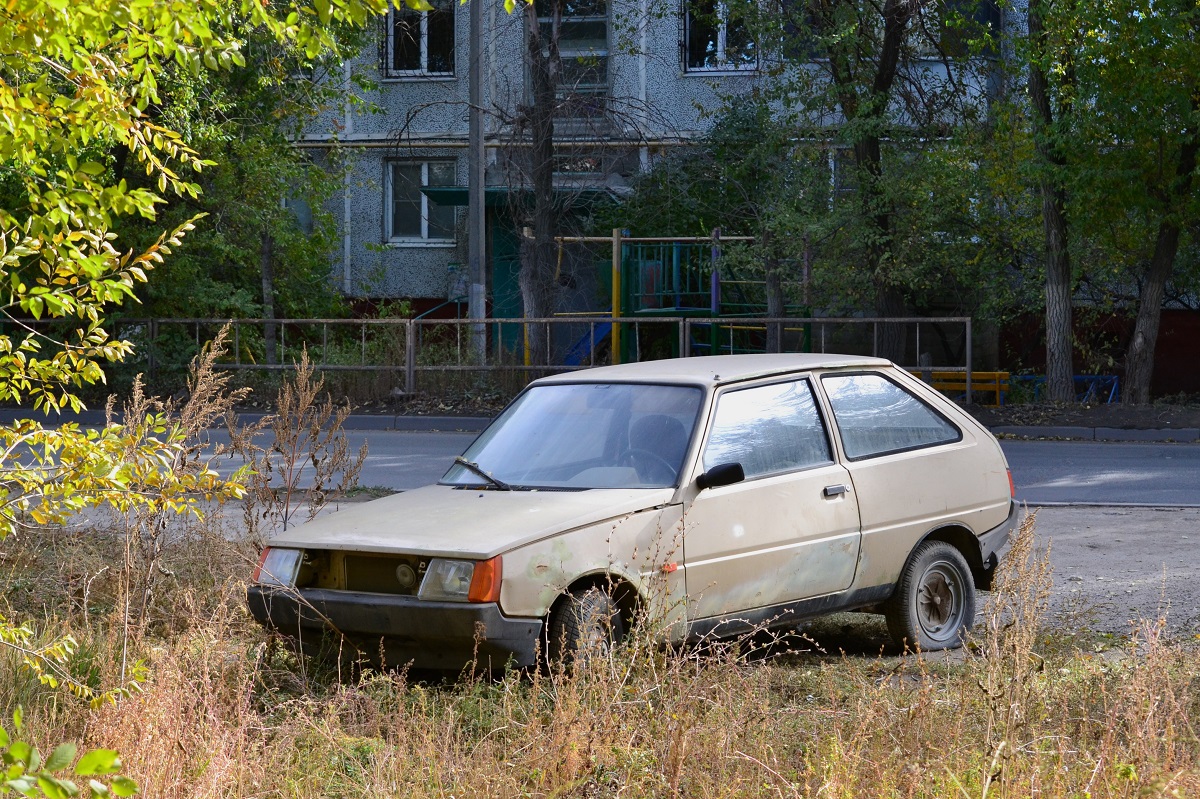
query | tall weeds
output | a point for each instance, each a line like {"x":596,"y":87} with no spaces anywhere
{"x":1017,"y":714}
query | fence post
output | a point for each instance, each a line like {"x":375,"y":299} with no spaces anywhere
{"x":969,"y":359}
{"x":616,"y":295}
{"x":410,"y":357}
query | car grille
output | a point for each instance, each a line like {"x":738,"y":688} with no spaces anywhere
{"x":384,"y":574}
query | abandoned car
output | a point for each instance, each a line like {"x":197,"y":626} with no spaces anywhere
{"x":705,"y":496}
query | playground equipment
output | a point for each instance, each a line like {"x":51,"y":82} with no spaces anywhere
{"x":678,"y":277}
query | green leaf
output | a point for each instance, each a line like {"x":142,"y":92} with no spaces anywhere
{"x":54,"y":789}
{"x":21,"y":751}
{"x":23,"y":785}
{"x":123,"y":786}
{"x":98,"y":761}
{"x":61,"y":757}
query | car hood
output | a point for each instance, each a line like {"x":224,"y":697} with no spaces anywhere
{"x":468,"y":523}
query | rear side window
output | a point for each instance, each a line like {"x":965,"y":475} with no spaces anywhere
{"x":876,"y":416}
{"x":768,"y":429}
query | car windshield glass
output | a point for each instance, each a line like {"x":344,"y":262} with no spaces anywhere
{"x":585,"y":435}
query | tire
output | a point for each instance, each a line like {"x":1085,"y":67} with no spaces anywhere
{"x":583,"y":627}
{"x":934,"y":603}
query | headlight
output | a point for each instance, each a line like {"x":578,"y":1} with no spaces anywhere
{"x":447,"y":580}
{"x":462,"y":580}
{"x":278,"y":567}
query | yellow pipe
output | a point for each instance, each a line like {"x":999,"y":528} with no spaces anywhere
{"x":616,"y":294}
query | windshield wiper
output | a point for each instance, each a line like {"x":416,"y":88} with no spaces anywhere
{"x":477,"y":469}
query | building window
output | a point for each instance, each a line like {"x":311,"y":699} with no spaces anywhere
{"x":420,"y":43}
{"x":583,"y":46}
{"x":413,"y":217}
{"x":715,"y":39}
{"x":962,"y":27}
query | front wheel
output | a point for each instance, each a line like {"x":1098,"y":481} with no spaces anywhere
{"x":583,"y":627}
{"x":934,"y":603}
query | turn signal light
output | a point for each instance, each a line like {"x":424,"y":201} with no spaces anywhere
{"x":485,"y":581}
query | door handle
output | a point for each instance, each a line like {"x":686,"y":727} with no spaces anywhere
{"x":835,"y":490}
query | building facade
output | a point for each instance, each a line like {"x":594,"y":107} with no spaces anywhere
{"x":639,"y":77}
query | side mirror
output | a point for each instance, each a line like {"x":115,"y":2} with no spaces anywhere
{"x":722,"y":474}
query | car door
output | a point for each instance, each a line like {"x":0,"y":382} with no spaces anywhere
{"x":790,"y":530}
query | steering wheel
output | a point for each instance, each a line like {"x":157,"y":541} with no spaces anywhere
{"x":650,"y":466}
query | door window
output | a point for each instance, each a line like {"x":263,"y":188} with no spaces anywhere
{"x":768,"y":429}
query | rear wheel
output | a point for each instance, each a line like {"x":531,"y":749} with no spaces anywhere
{"x":583,"y":627}
{"x":934,"y":603}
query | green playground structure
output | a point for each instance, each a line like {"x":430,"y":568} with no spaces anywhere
{"x":676,"y":277}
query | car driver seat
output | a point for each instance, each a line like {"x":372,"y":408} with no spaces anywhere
{"x":662,"y":435}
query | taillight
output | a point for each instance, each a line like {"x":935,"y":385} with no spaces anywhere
{"x":485,"y":581}
{"x":1012,"y":487}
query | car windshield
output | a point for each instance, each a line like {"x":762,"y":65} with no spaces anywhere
{"x":584,"y":435}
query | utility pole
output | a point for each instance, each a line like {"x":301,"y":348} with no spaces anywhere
{"x":476,"y":170}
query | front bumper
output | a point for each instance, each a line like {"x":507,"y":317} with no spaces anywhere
{"x":401,"y":630}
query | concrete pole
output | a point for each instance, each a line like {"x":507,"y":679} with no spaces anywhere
{"x":476,"y":171}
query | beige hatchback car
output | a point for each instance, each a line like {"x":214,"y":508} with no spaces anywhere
{"x":707,"y":497}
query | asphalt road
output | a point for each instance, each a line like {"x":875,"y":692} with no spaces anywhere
{"x":1105,"y":473}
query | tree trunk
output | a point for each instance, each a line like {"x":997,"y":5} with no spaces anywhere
{"x":776,"y":307}
{"x":536,"y":277}
{"x":1139,"y":358}
{"x":869,"y":112}
{"x":1060,"y":383}
{"x":267,"y":267}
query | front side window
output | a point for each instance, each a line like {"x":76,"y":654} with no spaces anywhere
{"x":876,"y":416}
{"x":716,"y":39}
{"x":768,"y":429}
{"x":411,"y":215}
{"x":420,"y":43}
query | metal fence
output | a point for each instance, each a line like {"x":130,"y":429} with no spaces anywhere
{"x":428,"y":355}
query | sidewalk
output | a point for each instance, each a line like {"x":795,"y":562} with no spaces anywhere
{"x":475,"y":424}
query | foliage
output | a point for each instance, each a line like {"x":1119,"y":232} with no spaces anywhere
{"x":27,"y":774}
{"x":266,"y":198}
{"x":80,"y":92}
{"x":961,"y":228}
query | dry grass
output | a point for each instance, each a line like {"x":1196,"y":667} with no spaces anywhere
{"x":229,"y":713}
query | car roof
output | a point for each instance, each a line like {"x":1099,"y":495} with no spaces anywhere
{"x":714,"y":369}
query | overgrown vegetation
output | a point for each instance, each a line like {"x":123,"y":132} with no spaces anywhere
{"x":230,"y":712}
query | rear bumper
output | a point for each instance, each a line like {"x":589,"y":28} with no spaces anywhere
{"x":994,"y":544}
{"x":401,"y":629}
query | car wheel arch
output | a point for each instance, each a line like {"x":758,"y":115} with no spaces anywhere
{"x":967,"y":543}
{"x":629,"y":602}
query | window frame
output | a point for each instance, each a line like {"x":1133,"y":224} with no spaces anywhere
{"x":390,"y":238}
{"x":723,"y":66}
{"x":883,"y":453}
{"x":422,"y":72}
